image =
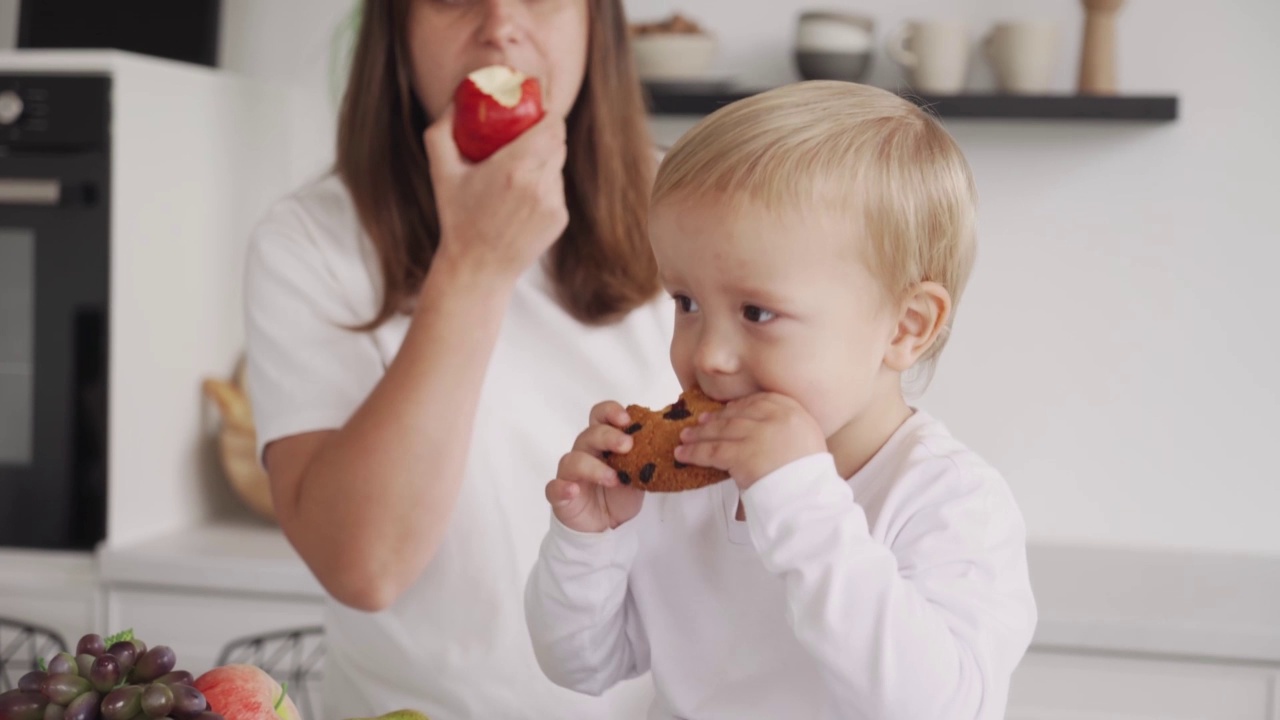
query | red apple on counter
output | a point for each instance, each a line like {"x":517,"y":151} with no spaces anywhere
{"x":245,"y":692}
{"x":492,"y":106}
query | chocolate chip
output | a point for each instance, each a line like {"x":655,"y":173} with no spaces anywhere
{"x":646,"y":473}
{"x":635,"y":428}
{"x":624,"y":478}
{"x":680,"y":465}
{"x":678,"y":411}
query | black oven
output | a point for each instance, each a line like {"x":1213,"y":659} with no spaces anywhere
{"x":54,"y":270}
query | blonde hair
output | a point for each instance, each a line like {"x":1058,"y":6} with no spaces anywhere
{"x":852,"y":148}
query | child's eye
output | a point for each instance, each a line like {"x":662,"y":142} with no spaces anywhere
{"x":757,"y":314}
{"x":685,"y":303}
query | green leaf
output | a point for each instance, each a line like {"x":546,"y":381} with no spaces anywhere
{"x":41,"y":664}
{"x":118,"y":637}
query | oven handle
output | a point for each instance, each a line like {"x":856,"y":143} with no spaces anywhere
{"x":30,"y":191}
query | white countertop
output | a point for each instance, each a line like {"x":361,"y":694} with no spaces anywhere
{"x":1167,"y":603}
{"x":88,"y":60}
{"x":1180,"y":603}
{"x":233,"y":556}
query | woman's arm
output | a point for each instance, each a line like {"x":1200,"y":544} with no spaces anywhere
{"x":366,"y":505}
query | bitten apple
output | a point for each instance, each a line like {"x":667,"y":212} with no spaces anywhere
{"x":492,"y":106}
{"x":245,"y":692}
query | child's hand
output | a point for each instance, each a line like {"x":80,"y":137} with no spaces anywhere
{"x":586,"y":495}
{"x":752,"y":437}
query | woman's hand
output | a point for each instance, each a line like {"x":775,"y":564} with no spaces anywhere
{"x":586,"y":495}
{"x":501,"y":214}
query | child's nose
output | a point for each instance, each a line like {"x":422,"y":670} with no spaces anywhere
{"x":715,"y":354}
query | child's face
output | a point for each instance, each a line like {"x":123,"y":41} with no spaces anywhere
{"x":774,"y":301}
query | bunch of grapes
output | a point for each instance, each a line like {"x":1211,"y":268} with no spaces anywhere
{"x":118,"y":678}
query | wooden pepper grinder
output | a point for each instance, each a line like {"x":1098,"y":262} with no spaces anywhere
{"x":1098,"y":56}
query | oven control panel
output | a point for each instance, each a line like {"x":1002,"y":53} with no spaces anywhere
{"x":42,"y":112}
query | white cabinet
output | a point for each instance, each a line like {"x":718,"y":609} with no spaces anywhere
{"x":66,"y":593}
{"x":200,"y":589}
{"x":55,"y":590}
{"x":1080,"y":686}
{"x":198,"y":625}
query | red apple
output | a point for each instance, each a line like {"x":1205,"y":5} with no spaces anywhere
{"x":492,"y":106}
{"x":245,"y":692}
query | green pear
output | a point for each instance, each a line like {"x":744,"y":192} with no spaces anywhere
{"x":405,"y":714}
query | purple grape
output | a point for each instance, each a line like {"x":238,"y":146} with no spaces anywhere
{"x":157,"y":700}
{"x":91,"y":644}
{"x":126,"y":653}
{"x":139,"y":647}
{"x":105,"y":673}
{"x":187,"y":701}
{"x":63,"y":663}
{"x":153,"y":663}
{"x":84,"y":664}
{"x":123,"y":703}
{"x":208,"y":715}
{"x":176,"y":677}
{"x":84,"y":707}
{"x":62,"y":688}
{"x":22,"y":705}
{"x":54,"y":711}
{"x":32,"y":681}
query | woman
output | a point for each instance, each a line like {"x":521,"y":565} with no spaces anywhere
{"x":425,"y":334}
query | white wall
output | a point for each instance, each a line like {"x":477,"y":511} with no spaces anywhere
{"x":300,"y":45}
{"x":1116,"y":353}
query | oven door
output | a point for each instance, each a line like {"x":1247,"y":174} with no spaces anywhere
{"x":53,"y":350}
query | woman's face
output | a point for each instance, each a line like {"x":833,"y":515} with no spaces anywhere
{"x":545,"y":39}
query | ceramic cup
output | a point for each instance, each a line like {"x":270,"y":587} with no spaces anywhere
{"x":1022,"y":54}
{"x":834,"y":45}
{"x":935,"y":53}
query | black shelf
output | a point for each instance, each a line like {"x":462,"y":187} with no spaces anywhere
{"x":663,"y":101}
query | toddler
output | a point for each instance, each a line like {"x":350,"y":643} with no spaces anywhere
{"x":861,"y":563}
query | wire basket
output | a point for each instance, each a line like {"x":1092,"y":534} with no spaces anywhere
{"x":22,"y":645}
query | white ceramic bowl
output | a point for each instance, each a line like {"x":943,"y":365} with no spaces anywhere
{"x":673,"y":56}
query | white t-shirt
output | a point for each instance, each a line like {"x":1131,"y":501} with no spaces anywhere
{"x":455,"y":645}
{"x":902,"y":592}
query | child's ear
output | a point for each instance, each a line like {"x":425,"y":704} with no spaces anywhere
{"x":921,"y":318}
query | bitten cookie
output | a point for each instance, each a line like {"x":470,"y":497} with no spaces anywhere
{"x":651,"y":464}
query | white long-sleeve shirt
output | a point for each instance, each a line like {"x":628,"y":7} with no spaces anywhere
{"x":900,"y":593}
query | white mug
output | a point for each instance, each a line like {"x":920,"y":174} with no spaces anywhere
{"x":1022,"y":54}
{"x":936,"y":52}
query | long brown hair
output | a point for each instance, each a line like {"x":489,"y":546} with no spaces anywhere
{"x":602,"y":265}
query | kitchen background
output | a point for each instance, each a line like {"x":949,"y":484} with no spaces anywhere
{"x":1115,"y":355}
